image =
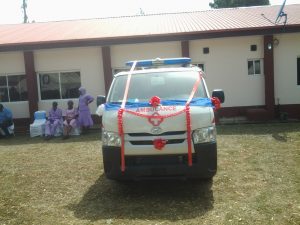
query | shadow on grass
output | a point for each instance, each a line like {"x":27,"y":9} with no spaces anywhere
{"x":258,"y":129}
{"x":147,"y":200}
{"x":22,"y":139}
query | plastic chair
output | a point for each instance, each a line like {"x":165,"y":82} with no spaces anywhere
{"x":37,"y":128}
{"x":11,"y":130}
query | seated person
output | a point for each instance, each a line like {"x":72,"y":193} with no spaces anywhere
{"x":5,"y":120}
{"x":70,"y":119}
{"x":54,"y":121}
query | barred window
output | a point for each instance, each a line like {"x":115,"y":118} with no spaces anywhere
{"x":254,"y":67}
{"x":59,"y":85}
{"x":13,"y":88}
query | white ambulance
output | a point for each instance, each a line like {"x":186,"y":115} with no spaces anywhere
{"x":158,"y":121}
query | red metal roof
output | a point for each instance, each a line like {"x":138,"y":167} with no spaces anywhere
{"x":219,"y":20}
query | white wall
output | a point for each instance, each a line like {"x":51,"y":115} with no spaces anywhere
{"x":120,"y":54}
{"x":12,"y":63}
{"x":285,"y":66}
{"x":226,"y":68}
{"x":86,"y":60}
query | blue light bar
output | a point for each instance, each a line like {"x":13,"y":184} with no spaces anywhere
{"x":159,"y":62}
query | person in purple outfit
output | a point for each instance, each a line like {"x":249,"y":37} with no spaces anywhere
{"x":85,"y":118}
{"x":70,"y":119}
{"x":54,"y":121}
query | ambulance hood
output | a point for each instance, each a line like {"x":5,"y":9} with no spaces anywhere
{"x":134,"y":122}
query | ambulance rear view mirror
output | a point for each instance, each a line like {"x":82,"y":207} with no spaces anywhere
{"x":219,"y":93}
{"x":101,"y":99}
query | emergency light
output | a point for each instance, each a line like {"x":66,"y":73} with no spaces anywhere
{"x":158,"y":62}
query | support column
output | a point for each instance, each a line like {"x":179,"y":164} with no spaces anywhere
{"x":31,"y":81}
{"x":269,"y":75}
{"x":106,"y":58}
{"x":185,"y":49}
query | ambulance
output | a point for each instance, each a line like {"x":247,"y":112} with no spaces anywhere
{"x":158,"y":122}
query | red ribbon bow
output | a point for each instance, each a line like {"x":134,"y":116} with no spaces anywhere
{"x":154,"y":101}
{"x":216,"y":102}
{"x":159,"y":144}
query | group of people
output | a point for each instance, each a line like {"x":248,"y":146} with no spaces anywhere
{"x":71,"y":117}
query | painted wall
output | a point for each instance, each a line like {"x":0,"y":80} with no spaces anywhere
{"x":226,"y":68}
{"x":120,"y":54}
{"x":285,"y":66}
{"x":86,"y":60}
{"x":12,"y":63}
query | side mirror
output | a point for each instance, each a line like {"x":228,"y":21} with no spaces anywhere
{"x":101,"y":99}
{"x":219,"y":93}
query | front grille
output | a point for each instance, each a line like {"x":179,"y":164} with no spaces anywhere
{"x":163,"y":134}
{"x":174,"y":141}
{"x":159,"y":160}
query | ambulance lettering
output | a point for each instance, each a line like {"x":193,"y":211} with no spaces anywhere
{"x":156,"y":109}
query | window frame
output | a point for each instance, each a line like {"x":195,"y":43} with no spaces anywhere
{"x":253,"y":63}
{"x":7,"y":86}
{"x":59,"y":79}
{"x":113,"y":85}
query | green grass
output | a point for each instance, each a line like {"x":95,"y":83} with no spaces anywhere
{"x":62,"y":182}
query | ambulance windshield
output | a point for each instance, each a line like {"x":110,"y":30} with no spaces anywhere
{"x":166,"y":85}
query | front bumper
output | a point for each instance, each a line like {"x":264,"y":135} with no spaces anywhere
{"x":155,"y":166}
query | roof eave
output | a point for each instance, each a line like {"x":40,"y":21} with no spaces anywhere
{"x":29,"y":46}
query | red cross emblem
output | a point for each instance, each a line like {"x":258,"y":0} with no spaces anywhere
{"x":155,"y":121}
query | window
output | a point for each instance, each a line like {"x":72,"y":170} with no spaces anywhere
{"x":253,"y":48}
{"x":298,"y":71}
{"x":13,"y":88}
{"x":60,"y":85}
{"x":166,"y":85}
{"x":200,"y":65}
{"x":254,"y":67}
{"x":206,"y":50}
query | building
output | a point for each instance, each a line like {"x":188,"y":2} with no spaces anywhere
{"x":243,"y":51}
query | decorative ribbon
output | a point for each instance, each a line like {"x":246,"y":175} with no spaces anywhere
{"x":188,"y":120}
{"x":189,"y":133}
{"x":216,"y":103}
{"x":120,"y":117}
{"x":154,"y":101}
{"x":159,"y":144}
{"x":121,"y":134}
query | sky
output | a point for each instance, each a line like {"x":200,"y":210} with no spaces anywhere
{"x":55,"y":10}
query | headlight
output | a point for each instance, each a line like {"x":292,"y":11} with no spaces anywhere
{"x":204,"y":135}
{"x":111,"y":139}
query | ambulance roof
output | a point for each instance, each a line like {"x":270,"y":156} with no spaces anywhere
{"x":159,"y":70}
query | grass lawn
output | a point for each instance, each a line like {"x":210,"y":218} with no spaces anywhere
{"x":62,"y":182}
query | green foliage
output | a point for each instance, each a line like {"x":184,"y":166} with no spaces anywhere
{"x":237,"y":3}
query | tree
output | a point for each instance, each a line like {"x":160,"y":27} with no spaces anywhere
{"x":24,"y":7}
{"x":237,"y":3}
